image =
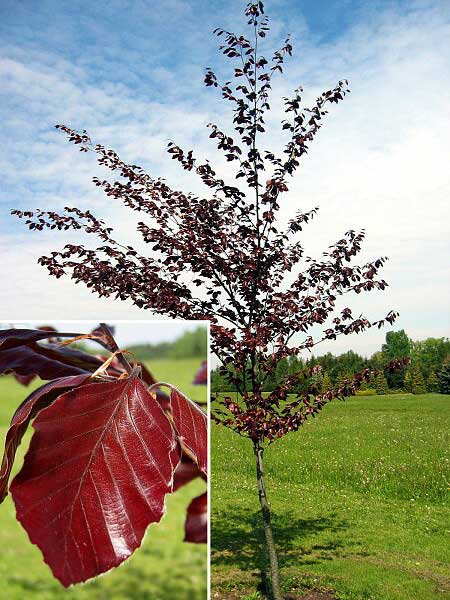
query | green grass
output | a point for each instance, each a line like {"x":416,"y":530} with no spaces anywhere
{"x":164,"y":567}
{"x":360,"y":502}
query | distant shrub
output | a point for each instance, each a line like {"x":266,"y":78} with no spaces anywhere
{"x":367,"y":392}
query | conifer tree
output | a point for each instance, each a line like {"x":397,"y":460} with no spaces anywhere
{"x":408,"y":381}
{"x":282,"y":370}
{"x":372,"y":381}
{"x":317,"y":382}
{"x":342,"y":378}
{"x":417,"y":381}
{"x":381,"y":384}
{"x":326,"y":382}
{"x":432,"y":383}
{"x":444,"y":379}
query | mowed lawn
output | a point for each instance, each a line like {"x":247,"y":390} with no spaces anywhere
{"x":360,"y":499}
{"x":163,"y":568}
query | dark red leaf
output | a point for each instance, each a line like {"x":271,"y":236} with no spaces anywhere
{"x":185,"y":472}
{"x":74,"y":358}
{"x":48,"y":362}
{"x":35,"y":360}
{"x":201,"y":377}
{"x":190,"y":423}
{"x":148,"y":377}
{"x":36,"y":401}
{"x":99,"y":466}
{"x":23,"y":379}
{"x":196,"y":527}
{"x":100,"y":332}
{"x":11,"y":338}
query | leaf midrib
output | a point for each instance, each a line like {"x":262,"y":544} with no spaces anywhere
{"x":130,"y":381}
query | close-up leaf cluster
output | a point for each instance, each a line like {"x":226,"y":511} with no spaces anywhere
{"x":108,"y":445}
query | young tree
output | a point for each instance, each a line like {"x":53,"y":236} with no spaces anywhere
{"x":270,"y":383}
{"x":326,"y":382}
{"x":343,"y":377}
{"x":408,"y":381}
{"x":444,"y":378}
{"x":381,"y":384}
{"x":281,"y":371}
{"x":225,"y":257}
{"x":317,"y":381}
{"x":218,"y":383}
{"x":417,"y":381}
{"x":433,"y":383}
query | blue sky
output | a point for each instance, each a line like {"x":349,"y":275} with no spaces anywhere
{"x":131,"y":73}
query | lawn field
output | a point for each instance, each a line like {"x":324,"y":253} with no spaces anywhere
{"x":360,"y":498}
{"x":163,"y":568}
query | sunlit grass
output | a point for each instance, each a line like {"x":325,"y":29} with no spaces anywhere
{"x":360,"y":497}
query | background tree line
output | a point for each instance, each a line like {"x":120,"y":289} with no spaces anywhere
{"x":428,"y":371}
{"x":191,"y":344}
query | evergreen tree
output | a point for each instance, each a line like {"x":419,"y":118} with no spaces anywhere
{"x":444,"y":379}
{"x":432,"y":383}
{"x":363,"y":386}
{"x":296,"y":365}
{"x":372,"y":381}
{"x":417,"y":381}
{"x":326,"y":382}
{"x":408,"y":381}
{"x":381,"y":384}
{"x":271,"y":382}
{"x":282,"y":370}
{"x":317,"y":380}
{"x":219,"y":383}
{"x":342,"y":378}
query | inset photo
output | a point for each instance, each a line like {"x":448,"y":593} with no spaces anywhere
{"x":104,"y":427}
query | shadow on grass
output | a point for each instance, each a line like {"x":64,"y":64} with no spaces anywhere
{"x":237,"y":540}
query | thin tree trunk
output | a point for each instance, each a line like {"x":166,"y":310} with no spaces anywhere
{"x":265,"y":510}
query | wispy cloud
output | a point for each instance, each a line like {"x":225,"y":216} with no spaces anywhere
{"x":134,"y":81}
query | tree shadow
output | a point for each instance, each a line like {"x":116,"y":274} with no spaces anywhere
{"x":237,"y":540}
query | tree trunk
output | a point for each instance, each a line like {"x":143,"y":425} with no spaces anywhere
{"x":265,"y":510}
